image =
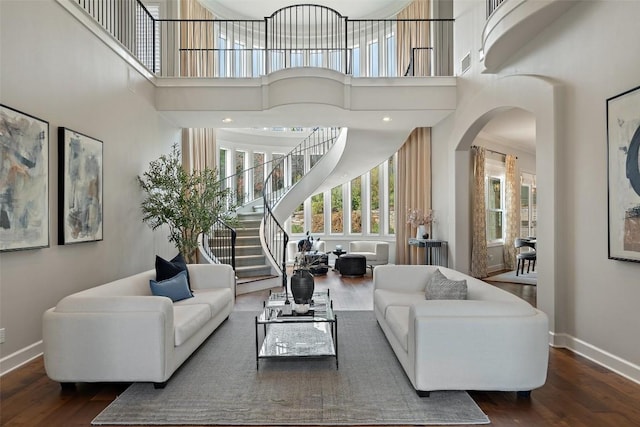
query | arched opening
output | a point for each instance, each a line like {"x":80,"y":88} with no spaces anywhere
{"x":538,"y":97}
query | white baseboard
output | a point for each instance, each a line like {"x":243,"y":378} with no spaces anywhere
{"x":20,"y":357}
{"x":601,"y":357}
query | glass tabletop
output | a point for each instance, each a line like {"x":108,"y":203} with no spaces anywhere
{"x":320,"y":309}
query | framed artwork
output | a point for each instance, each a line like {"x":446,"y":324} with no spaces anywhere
{"x":623,"y":147}
{"x":24,"y":181}
{"x":80,"y":198}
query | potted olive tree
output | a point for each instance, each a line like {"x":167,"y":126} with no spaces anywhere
{"x":189,"y":203}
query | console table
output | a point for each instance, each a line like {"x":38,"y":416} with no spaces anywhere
{"x":436,"y":251}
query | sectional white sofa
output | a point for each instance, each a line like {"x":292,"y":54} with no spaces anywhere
{"x":120,"y":332}
{"x":492,"y":340}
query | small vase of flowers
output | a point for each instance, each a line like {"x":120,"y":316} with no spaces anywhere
{"x":419,"y":219}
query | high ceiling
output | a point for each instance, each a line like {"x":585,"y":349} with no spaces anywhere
{"x":258,"y":9}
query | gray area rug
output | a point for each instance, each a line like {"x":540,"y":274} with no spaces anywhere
{"x":220,"y":385}
{"x":510,"y":277}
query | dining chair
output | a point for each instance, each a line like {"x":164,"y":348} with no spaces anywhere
{"x":525,"y":257}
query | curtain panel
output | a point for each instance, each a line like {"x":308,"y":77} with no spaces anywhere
{"x":512,"y":212}
{"x":479,"y":216}
{"x":412,"y":35}
{"x":198,"y":149}
{"x":413,"y":191}
{"x":197,"y":41}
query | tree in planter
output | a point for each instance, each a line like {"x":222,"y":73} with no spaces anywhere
{"x":189,"y":203}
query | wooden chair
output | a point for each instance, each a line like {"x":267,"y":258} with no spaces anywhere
{"x":525,"y":257}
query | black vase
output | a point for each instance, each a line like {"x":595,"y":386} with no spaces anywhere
{"x":302,"y":286}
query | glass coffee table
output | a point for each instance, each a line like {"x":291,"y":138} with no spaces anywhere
{"x":313,"y":334}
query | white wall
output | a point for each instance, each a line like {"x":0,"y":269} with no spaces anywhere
{"x":584,"y":57}
{"x":55,"y":69}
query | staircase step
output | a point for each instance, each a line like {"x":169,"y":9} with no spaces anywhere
{"x":256,"y":270}
{"x":247,"y":231}
{"x":249,"y":223}
{"x":249,"y":250}
{"x":249,"y":260}
{"x":250,"y":216}
{"x":247,"y":241}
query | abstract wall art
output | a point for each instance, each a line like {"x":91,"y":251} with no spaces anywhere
{"x":623,"y":150}
{"x":80,"y":197}
{"x":24,"y":181}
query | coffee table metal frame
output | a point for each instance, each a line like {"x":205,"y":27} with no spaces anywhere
{"x":298,"y":335}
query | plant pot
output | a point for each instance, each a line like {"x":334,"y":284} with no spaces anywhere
{"x":302,"y":286}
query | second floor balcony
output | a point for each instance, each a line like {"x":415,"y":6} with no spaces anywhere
{"x":292,"y":37}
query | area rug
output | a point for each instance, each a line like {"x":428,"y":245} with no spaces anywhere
{"x":220,"y":385}
{"x":510,"y":277}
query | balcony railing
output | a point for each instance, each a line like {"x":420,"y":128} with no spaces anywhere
{"x":294,"y":36}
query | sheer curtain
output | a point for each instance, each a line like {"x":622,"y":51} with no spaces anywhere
{"x":196,"y":41}
{"x":198,"y":149}
{"x":512,"y":212}
{"x":479,"y":216}
{"x":414,"y":35}
{"x":413,"y":190}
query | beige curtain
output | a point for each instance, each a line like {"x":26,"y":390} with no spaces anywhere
{"x":413,"y":191}
{"x":512,"y":212}
{"x":412,"y":35}
{"x":198,"y":149}
{"x":479,"y":216}
{"x":197,"y":41}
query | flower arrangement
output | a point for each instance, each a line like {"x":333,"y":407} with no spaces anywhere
{"x":416,"y":217}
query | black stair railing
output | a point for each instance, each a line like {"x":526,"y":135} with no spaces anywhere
{"x":278,"y":183}
{"x":219,"y":242}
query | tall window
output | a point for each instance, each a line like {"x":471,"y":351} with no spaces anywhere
{"x":257,"y":57}
{"x":278,"y":172}
{"x":222,"y":56}
{"x":355,"y":64}
{"x":297,"y":167}
{"x":240,"y":178}
{"x":296,"y":58}
{"x":391,"y":168}
{"x":374,"y":200}
{"x":222,"y":167}
{"x":372,"y":59}
{"x":528,"y":205}
{"x":495,"y":199}
{"x":391,"y":55}
{"x":238,"y":59}
{"x":337,"y":211}
{"x":356,"y":205}
{"x":317,"y":213}
{"x":297,"y":220}
{"x":258,"y":174}
{"x":316,"y":58}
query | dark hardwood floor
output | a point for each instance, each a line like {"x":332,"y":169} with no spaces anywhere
{"x":577,"y":393}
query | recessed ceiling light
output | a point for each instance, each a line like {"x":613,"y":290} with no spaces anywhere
{"x":386,"y":119}
{"x":227,"y":120}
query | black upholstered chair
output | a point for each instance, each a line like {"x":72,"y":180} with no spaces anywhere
{"x":525,"y":257}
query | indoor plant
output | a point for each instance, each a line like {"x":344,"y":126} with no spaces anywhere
{"x":188,"y":202}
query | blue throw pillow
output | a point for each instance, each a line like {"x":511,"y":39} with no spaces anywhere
{"x":175,"y":288}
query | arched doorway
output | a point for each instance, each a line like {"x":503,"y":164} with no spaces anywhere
{"x":538,"y":96}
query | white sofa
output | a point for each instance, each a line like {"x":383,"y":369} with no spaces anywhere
{"x":493,"y":340}
{"x":377,"y":253}
{"x":120,"y":332}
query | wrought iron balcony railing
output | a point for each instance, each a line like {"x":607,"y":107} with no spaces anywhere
{"x":294,"y":36}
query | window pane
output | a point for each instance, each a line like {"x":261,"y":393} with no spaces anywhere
{"x":356,"y":205}
{"x":278,"y":173}
{"x":222,"y":170}
{"x":297,"y":167}
{"x":373,"y":59}
{"x":317,"y":213}
{"x":392,"y":195}
{"x":391,"y":55}
{"x":337,"y":211}
{"x":258,"y":174}
{"x":494,"y":225}
{"x":297,"y":220}
{"x":356,"y":62}
{"x":374,"y":220}
{"x":258,"y":59}
{"x":222,"y":57}
{"x":494,"y":191}
{"x":524,"y":210}
{"x":240,"y":166}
